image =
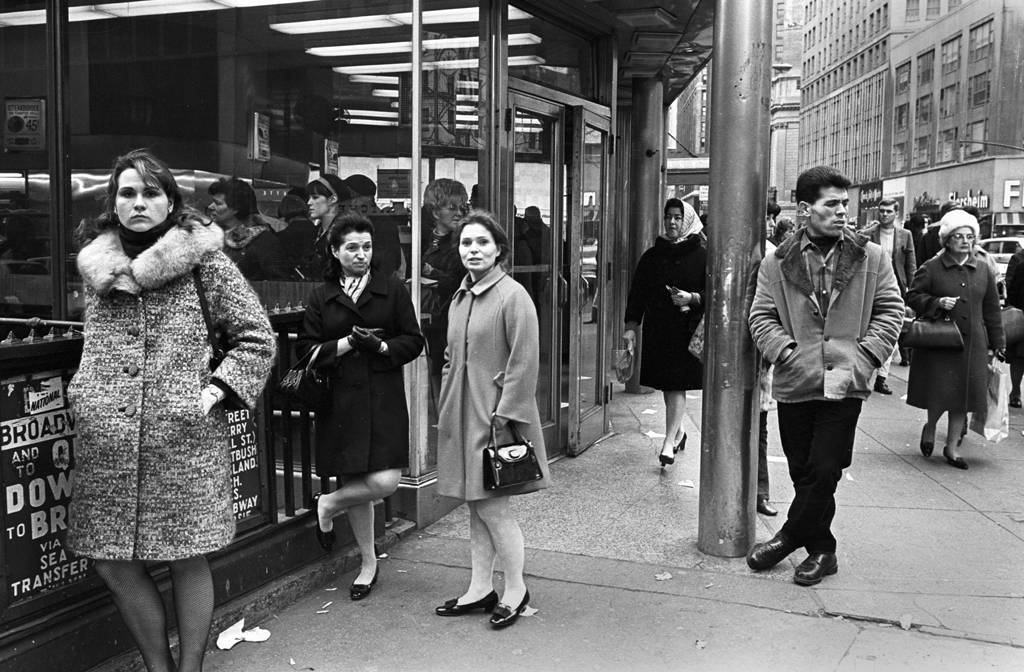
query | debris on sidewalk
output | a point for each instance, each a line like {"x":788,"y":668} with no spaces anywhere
{"x":700,"y":644}
{"x":528,"y":611}
{"x":236,"y":633}
{"x":331,"y":588}
{"x":648,"y":411}
{"x":662,"y":576}
{"x":906,"y":620}
{"x":686,"y":483}
{"x":651,"y":434}
{"x":849,"y":477}
{"x":291,"y":661}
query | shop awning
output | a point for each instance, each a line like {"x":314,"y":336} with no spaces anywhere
{"x":1001,"y":219}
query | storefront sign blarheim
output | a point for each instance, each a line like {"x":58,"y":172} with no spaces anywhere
{"x":978,"y":200}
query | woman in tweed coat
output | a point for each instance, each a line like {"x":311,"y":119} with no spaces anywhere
{"x":153,"y":478}
{"x":490,"y":378}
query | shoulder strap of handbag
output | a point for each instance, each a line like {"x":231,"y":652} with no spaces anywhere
{"x":205,"y":306}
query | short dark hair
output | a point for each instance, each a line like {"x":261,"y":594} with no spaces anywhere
{"x":340,"y":227}
{"x":915,"y":222}
{"x":810,"y":182}
{"x":238,"y":196}
{"x":335,"y":187}
{"x":773,"y":210}
{"x":674,"y":203}
{"x":889,"y":201}
{"x":487,"y":220}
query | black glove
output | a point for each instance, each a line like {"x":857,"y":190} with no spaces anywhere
{"x":365,"y":340}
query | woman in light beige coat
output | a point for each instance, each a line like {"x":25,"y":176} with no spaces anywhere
{"x":490,"y":376}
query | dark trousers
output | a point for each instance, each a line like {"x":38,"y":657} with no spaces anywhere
{"x":817,"y":437}
{"x":762,"y":456}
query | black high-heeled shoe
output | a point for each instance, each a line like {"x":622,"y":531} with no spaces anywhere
{"x":453,"y":608}
{"x":681,"y":446}
{"x":358,"y":591}
{"x":325,"y":539}
{"x":505,"y":615}
{"x":926,"y":446}
{"x":666,"y":459}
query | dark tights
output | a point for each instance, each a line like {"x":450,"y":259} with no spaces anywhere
{"x":138,"y":601}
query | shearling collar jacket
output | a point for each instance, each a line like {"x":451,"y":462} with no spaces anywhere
{"x":105,"y":267}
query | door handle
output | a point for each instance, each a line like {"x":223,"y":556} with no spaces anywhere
{"x":563,"y":291}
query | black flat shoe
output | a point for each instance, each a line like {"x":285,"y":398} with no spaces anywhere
{"x":770,"y":553}
{"x":957,"y":462}
{"x":926,"y":446}
{"x":1015,"y":401}
{"x":505,"y":615}
{"x":764,"y":508}
{"x":325,"y":539}
{"x":814,"y":568}
{"x":453,"y":608}
{"x":358,"y":591}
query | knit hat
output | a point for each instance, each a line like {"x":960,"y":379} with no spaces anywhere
{"x":956,"y":219}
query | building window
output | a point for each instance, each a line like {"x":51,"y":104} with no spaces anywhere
{"x":923,"y":110}
{"x":902,"y":116}
{"x":977,"y":89}
{"x":903,"y":78}
{"x":913,"y":9}
{"x":980,"y":41}
{"x":934,"y":9}
{"x":925,"y":65}
{"x":951,"y":55}
{"x":778,"y":53}
{"x":947,"y":145}
{"x":949,"y":101}
{"x":976,"y":132}
{"x":922,"y":145}
{"x":953,"y":4}
{"x":899,"y":157}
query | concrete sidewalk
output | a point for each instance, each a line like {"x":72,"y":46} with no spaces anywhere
{"x":931,"y":573}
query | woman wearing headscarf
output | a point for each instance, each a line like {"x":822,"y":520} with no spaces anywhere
{"x":960,"y":284}
{"x":666,"y":296}
{"x":152,"y":473}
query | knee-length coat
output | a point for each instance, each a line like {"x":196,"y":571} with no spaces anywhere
{"x":366,"y":428}
{"x":491,"y":367}
{"x":952,"y":380}
{"x":665,"y":361}
{"x":153,"y":475}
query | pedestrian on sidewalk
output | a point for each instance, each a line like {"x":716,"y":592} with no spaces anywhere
{"x":1015,"y":298}
{"x":958,"y":284}
{"x":666,"y":296}
{"x":827,"y":311}
{"x":152,"y":472}
{"x":489,"y":382}
{"x":898,"y":244}
{"x":365,"y":324}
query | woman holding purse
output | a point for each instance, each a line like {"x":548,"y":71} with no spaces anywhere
{"x":489,"y":379}
{"x":960,"y":284}
{"x":366,"y":328}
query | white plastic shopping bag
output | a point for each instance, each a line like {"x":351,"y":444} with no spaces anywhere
{"x":994,"y":423}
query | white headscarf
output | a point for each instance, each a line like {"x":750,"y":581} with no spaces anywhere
{"x":691,"y":224}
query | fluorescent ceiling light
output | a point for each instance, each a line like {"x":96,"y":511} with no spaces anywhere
{"x":374,"y":122}
{"x":379,"y":114}
{"x":373,"y":69}
{"x":375,"y":21}
{"x":373,"y":79}
{"x":37,"y":17}
{"x":258,"y":3}
{"x":385,"y":93}
{"x":465,"y":108}
{"x":467,"y":84}
{"x":470,"y":97}
{"x":455,"y":64}
{"x":405,"y":47}
{"x":151,"y":7}
{"x":140,"y":8}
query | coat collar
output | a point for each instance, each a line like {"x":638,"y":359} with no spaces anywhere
{"x":794,"y":269}
{"x":483,"y":284}
{"x":949,"y":262}
{"x":105,"y":267}
{"x":378,"y":285}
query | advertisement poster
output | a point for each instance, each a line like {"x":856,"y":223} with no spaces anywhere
{"x":37,"y":464}
{"x":259,"y":142}
{"x":245,"y":464}
{"x":25,"y":124}
{"x":331,"y":150}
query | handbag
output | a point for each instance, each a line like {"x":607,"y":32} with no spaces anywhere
{"x":510,"y":464}
{"x":940,"y":334}
{"x":622,"y":363}
{"x":217,"y":338}
{"x":1013,"y":325}
{"x":305,"y":384}
{"x":696,"y":346}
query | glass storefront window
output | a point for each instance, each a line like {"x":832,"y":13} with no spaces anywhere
{"x":26,"y":284}
{"x":546,"y":54}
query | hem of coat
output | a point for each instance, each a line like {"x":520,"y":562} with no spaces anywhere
{"x":102,"y":554}
{"x":821,"y":397}
{"x":526,"y":489}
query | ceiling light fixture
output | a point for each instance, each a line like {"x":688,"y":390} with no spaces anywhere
{"x":376,"y":21}
{"x":373,"y":79}
{"x":404,"y":47}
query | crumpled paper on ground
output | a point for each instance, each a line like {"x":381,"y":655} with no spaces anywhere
{"x":235,"y":634}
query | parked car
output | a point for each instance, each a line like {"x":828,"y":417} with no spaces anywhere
{"x":1001,"y":249}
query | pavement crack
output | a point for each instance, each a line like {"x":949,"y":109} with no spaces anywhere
{"x":932,"y":631}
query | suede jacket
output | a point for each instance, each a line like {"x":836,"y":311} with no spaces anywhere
{"x":833,"y":356}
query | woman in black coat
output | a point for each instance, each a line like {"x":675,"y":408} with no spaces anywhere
{"x":366,"y":327}
{"x":959,"y":283}
{"x":666,"y":297}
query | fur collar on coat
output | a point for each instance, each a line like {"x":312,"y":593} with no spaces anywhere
{"x":105,"y":267}
{"x":795,"y":270}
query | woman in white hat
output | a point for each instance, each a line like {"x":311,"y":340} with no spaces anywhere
{"x":958,"y":283}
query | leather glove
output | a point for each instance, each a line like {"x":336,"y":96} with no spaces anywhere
{"x":365,"y":340}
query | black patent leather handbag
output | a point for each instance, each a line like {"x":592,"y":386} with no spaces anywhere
{"x":307,"y":385}
{"x":510,"y":464}
{"x":940,"y":334}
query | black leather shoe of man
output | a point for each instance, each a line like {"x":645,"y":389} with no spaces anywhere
{"x":816,"y":567}
{"x":764,"y":508}
{"x":881,"y":387}
{"x":770,"y":553}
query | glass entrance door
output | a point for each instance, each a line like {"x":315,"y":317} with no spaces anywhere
{"x":536,"y":144}
{"x":588,"y":206}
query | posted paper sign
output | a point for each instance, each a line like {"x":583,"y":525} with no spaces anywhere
{"x":25,"y":124}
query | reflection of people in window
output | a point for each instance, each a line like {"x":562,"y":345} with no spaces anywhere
{"x":387,"y":246}
{"x":298,"y":236}
{"x":532,"y":248}
{"x":248,"y":239}
{"x":445,"y":201}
